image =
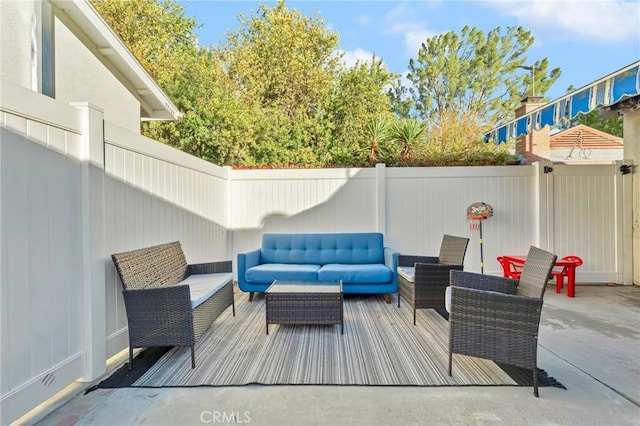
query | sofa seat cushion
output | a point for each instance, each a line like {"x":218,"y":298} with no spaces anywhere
{"x":203,"y":286}
{"x":268,"y":272}
{"x":408,"y":273}
{"x":374,"y":273}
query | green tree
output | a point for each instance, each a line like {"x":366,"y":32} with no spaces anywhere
{"x":358,"y":100}
{"x":284,"y":64}
{"x":612,"y":126}
{"x":214,"y":123}
{"x":401,"y":102}
{"x":476,"y":75}
{"x":274,"y":93}
{"x":157,"y":32}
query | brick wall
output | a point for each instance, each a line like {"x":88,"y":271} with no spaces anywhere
{"x":535,"y":146}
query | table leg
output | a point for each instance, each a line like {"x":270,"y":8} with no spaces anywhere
{"x":559,"y":282}
{"x":571,"y":281}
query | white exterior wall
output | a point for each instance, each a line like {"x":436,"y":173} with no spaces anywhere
{"x":79,"y":75}
{"x":15,"y":42}
{"x":82,"y":77}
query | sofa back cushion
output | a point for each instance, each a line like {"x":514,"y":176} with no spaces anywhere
{"x":156,"y":266}
{"x":321,"y":249}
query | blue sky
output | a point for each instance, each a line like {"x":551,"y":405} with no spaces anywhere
{"x":587,"y":39}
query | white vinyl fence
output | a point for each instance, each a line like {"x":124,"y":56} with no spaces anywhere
{"x":76,"y":189}
{"x":155,"y":194}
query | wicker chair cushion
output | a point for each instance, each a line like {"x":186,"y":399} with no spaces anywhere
{"x":408,"y":273}
{"x":203,"y":286}
{"x":447,"y":299}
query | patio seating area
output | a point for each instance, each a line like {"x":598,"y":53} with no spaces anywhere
{"x":595,"y":360}
{"x":80,"y":182}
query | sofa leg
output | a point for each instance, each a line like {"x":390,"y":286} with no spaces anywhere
{"x":387,"y":298}
{"x":130,"y":357}
{"x":193,"y":357}
{"x":250,"y":296}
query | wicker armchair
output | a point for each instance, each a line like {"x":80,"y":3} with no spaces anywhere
{"x":422,"y":280}
{"x":158,"y":299}
{"x":497,"y":318}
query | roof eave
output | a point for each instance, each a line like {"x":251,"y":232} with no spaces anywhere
{"x":92,"y":30}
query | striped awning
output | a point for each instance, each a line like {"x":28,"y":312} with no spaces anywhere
{"x":609,"y":90}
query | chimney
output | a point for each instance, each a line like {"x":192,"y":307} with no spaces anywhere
{"x":534,"y":146}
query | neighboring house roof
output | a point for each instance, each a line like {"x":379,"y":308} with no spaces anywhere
{"x":620,"y":89}
{"x":87,"y":24}
{"x":587,"y":136}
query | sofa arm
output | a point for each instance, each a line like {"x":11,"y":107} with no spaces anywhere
{"x":391,"y":261}
{"x":245,"y":261}
{"x":160,"y":316}
{"x":209,"y":268}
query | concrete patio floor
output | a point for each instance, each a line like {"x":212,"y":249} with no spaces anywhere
{"x":590,"y":343}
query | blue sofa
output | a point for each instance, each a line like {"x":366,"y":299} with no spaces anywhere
{"x":360,"y":260}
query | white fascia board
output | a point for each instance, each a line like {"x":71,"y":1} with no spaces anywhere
{"x":92,"y":30}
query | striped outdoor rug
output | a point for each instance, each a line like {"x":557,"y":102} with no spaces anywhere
{"x":380,"y":346}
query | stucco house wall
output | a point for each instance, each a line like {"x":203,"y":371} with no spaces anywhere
{"x":15,"y":46}
{"x":66,"y":45}
{"x":81,"y":77}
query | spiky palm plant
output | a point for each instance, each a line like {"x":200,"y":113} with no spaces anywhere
{"x":378,"y":135}
{"x":408,"y":132}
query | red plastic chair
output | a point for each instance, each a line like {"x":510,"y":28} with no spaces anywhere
{"x":560,"y":274}
{"x":510,"y":269}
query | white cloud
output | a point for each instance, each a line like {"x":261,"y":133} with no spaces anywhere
{"x":414,"y":38}
{"x":363,"y":20}
{"x":414,"y":32}
{"x":596,"y":21}
{"x":350,"y":58}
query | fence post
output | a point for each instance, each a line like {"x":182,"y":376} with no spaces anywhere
{"x":381,"y":198}
{"x":93,"y":240}
{"x":544,"y":201}
{"x":624,"y":221}
{"x":228,"y":203}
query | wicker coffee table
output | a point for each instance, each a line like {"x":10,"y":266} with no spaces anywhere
{"x":299,"y":302}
